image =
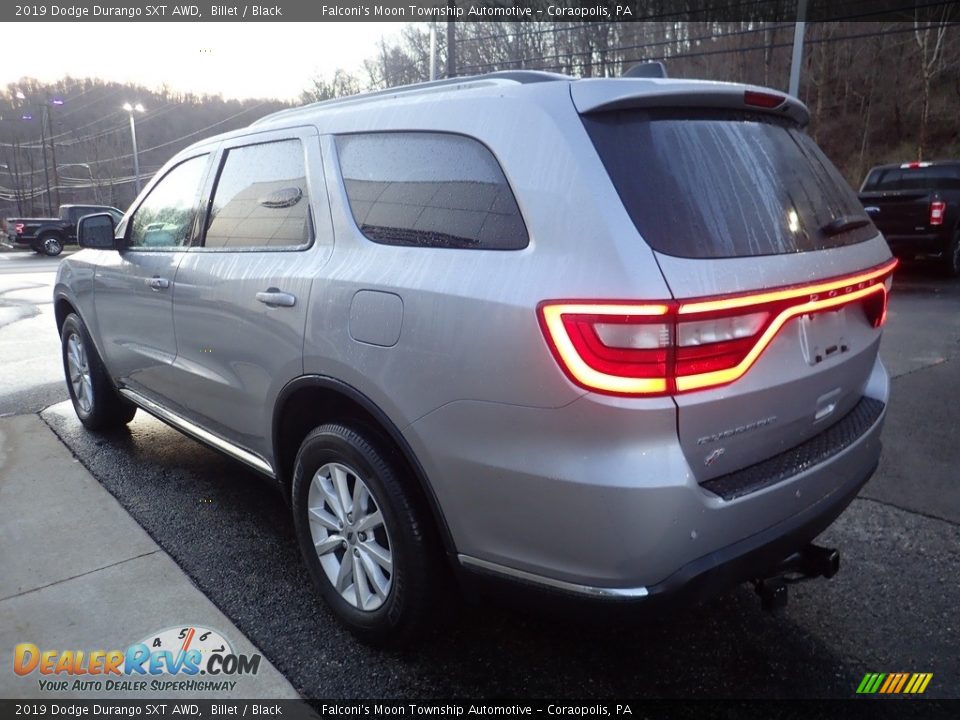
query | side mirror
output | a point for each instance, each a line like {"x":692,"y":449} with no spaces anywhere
{"x":97,"y":231}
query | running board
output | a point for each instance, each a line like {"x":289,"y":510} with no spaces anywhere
{"x":198,"y":433}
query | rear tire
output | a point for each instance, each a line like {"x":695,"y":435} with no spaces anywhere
{"x":367,"y":541}
{"x":51,"y":245}
{"x":96,"y":402}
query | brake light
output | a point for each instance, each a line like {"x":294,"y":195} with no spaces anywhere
{"x":18,"y":227}
{"x":664,"y":348}
{"x":937,"y":210}
{"x":762,"y":99}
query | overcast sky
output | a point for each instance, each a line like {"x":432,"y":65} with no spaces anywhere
{"x":238,"y":60}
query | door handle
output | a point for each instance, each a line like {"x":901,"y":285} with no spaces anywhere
{"x":275,"y":298}
{"x":159,"y":283}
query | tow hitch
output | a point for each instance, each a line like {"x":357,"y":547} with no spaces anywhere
{"x":808,"y":563}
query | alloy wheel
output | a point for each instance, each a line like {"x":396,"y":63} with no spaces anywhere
{"x":350,"y":536}
{"x":79,"y":369}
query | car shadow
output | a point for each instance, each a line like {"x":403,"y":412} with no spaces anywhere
{"x":230,"y":532}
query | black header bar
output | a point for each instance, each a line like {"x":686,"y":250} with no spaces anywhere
{"x":463,"y":10}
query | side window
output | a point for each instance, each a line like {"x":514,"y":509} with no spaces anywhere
{"x":429,"y":190}
{"x":261,"y":198}
{"x":165,"y":218}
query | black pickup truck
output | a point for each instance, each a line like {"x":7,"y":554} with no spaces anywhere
{"x":49,"y":235}
{"x":916,"y":206}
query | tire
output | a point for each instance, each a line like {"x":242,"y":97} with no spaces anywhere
{"x":95,"y":401}
{"x":51,"y":245}
{"x":393,"y":603}
{"x":951,"y":262}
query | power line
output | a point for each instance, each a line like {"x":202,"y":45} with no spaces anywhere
{"x":728,"y":51}
{"x":772,"y":28}
{"x":182,"y":137}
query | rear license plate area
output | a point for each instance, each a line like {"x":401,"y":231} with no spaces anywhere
{"x":823,"y":336}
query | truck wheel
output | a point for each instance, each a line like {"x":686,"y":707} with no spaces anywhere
{"x":367,"y":541}
{"x":95,"y":401}
{"x":52,"y":245}
{"x":951,"y":263}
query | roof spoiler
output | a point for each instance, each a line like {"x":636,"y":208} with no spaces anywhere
{"x":605,"y":94}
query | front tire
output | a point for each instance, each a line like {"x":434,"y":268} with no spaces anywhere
{"x":51,"y":245}
{"x":366,"y":540}
{"x":97,"y":404}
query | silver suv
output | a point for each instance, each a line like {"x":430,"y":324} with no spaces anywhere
{"x":612,"y":338}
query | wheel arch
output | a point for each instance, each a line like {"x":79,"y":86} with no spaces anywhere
{"x":62,"y":306}
{"x":311,"y":400}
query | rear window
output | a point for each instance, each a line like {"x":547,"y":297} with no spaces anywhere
{"x":941,"y":177}
{"x":723,"y":184}
{"x":429,"y":190}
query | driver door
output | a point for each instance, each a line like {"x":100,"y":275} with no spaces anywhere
{"x":133,"y":288}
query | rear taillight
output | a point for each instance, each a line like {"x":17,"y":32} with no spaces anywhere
{"x":664,"y":348}
{"x":937,"y":210}
{"x":18,"y":227}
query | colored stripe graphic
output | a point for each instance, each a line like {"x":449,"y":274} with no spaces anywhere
{"x":903,"y":679}
{"x":894,"y":683}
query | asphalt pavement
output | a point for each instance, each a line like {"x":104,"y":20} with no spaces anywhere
{"x":892,"y":607}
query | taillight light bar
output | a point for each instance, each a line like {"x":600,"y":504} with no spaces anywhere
{"x":937,"y":210}
{"x":664,"y":348}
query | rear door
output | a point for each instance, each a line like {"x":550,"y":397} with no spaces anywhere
{"x":734,"y":203}
{"x":242,"y":293}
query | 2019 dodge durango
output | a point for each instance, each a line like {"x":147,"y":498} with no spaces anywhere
{"x":623,"y":349}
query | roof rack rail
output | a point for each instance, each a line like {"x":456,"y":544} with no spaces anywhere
{"x":523,"y":77}
{"x":651,"y":69}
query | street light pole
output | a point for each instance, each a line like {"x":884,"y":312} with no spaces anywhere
{"x":133,"y":136}
{"x":43,"y":150}
{"x":797,"y":59}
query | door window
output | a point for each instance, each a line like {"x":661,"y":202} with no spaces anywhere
{"x":261,"y":198}
{"x":165,"y":218}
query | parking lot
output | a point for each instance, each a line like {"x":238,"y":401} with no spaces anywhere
{"x":892,"y":608}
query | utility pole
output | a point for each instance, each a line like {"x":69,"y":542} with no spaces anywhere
{"x":53,"y":151}
{"x":43,"y":151}
{"x":451,"y":44}
{"x":433,"y":49}
{"x":798,"y":31}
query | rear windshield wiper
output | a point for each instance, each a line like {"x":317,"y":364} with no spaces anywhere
{"x":844,"y":223}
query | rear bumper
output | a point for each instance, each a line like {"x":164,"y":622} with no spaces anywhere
{"x":18,"y":242}
{"x":921,"y":245}
{"x":758,"y":555}
{"x":753,"y":557}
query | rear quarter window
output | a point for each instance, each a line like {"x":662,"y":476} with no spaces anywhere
{"x":940,"y":177}
{"x":717,"y":185}
{"x":428,"y":189}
